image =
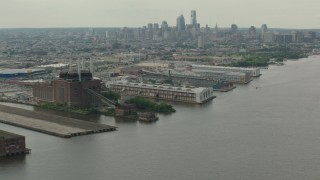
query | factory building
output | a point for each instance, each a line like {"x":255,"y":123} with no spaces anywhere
{"x":166,"y":92}
{"x":12,"y":144}
{"x":69,"y":89}
{"x":254,"y":72}
{"x":14,"y":73}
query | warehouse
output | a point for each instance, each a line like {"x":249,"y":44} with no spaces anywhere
{"x":14,"y":73}
{"x":254,"y":72}
{"x":233,"y":77}
{"x":182,"y":94}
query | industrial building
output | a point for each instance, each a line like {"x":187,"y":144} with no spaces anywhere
{"x":12,"y":144}
{"x":183,"y":94}
{"x":189,"y":79}
{"x":233,"y":77}
{"x":254,"y":72}
{"x":69,"y":88}
{"x":14,"y":73}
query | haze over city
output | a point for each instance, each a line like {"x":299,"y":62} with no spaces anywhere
{"x":119,"y":13}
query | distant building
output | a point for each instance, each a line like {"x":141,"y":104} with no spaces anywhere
{"x":181,"y":25}
{"x":234,"y":28}
{"x":164,"y":26}
{"x":264,"y":29}
{"x":201,"y":41}
{"x":297,"y":36}
{"x":150,"y":26}
{"x":268,"y":37}
{"x":193,"y":19}
{"x":283,"y":38}
{"x":252,"y":33}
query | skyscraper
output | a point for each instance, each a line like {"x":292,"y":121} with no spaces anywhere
{"x":181,"y":25}
{"x":264,"y":29}
{"x":193,"y":19}
{"x":252,"y":32}
{"x":234,"y":28}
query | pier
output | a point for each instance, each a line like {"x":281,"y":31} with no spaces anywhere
{"x":50,"y":124}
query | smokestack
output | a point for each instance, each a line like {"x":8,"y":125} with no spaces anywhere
{"x":79,"y":71}
{"x":91,"y":67}
{"x":82,"y":67}
{"x":70,"y":64}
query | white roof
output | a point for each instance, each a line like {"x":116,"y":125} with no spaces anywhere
{"x":162,"y":86}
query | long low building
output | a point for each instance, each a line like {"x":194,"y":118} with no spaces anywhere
{"x":254,"y":72}
{"x":183,"y":94}
{"x":190,"y":79}
{"x":233,"y":77}
{"x":12,"y":144}
{"x":13,"y":73}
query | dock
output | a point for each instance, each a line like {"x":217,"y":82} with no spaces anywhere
{"x":50,"y":124}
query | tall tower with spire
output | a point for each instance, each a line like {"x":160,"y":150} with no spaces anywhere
{"x":193,"y":19}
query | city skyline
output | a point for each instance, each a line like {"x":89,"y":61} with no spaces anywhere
{"x":98,"y":13}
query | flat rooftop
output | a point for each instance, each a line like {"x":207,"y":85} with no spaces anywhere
{"x":8,"y":135}
{"x":162,"y":87}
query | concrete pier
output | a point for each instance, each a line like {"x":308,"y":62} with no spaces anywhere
{"x":50,"y":124}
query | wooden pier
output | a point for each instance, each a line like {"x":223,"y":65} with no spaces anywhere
{"x":50,"y":124}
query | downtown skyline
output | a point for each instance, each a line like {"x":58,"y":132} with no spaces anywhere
{"x":97,"y":13}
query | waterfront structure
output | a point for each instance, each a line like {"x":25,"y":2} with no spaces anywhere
{"x":69,"y":89}
{"x":182,"y":94}
{"x":190,"y":79}
{"x":254,"y":72}
{"x":12,"y":144}
{"x":233,"y":77}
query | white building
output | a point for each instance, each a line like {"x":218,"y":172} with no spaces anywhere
{"x":182,"y":94}
{"x":254,"y":72}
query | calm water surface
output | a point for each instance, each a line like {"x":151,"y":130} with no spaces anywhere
{"x":269,"y":132}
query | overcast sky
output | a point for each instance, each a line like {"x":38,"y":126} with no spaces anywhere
{"x":136,"y":13}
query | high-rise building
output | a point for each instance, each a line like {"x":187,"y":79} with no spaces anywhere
{"x":164,"y":25}
{"x":201,"y":41}
{"x":268,"y":37}
{"x":193,"y":19}
{"x":156,"y":26}
{"x":252,"y":32}
{"x":181,"y":25}
{"x":234,"y":28}
{"x":297,"y":36}
{"x":264,"y":28}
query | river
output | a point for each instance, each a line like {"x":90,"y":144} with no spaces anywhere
{"x":268,"y":129}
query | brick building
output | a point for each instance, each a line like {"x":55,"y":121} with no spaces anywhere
{"x":69,"y":89}
{"x":12,"y":144}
